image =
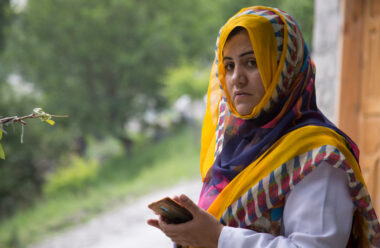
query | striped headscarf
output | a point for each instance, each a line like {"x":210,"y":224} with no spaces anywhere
{"x":287,"y":72}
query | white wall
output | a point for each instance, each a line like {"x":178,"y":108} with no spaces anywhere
{"x":327,"y":22}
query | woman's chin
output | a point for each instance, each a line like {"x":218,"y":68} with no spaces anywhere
{"x":244,"y":110}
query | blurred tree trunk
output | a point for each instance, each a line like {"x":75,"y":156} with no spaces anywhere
{"x":80,"y":145}
{"x":4,"y":20}
{"x":127,"y":144}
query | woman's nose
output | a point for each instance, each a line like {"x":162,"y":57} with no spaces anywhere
{"x":238,"y":77}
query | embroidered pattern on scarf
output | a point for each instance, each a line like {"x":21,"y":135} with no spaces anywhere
{"x":260,"y":209}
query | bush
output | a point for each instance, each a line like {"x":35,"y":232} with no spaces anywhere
{"x":189,"y":79}
{"x":75,"y":177}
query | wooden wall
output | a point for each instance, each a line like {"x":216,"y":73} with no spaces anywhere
{"x":359,"y":101}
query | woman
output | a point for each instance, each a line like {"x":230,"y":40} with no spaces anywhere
{"x":276,"y":172}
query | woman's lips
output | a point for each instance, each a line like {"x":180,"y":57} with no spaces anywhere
{"x":241,"y":95}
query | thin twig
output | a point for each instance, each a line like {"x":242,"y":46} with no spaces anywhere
{"x":21,"y":119}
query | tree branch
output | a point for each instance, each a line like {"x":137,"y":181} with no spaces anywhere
{"x":35,"y":115}
{"x":9,"y":120}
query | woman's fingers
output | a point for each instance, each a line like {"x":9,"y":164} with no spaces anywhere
{"x":154,"y":223}
{"x":203,"y":230}
{"x":188,"y":204}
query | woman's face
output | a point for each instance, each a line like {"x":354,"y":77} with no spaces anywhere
{"x":243,"y":79}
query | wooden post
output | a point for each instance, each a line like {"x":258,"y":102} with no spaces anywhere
{"x":359,"y":103}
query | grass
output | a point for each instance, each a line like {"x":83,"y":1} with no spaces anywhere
{"x":117,"y":180}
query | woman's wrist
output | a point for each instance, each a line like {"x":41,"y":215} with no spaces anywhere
{"x":215,"y":237}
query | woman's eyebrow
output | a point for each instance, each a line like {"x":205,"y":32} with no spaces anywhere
{"x":246,"y":53}
{"x":241,"y":55}
{"x":227,"y":58}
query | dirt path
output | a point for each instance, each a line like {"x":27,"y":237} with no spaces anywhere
{"x":124,"y":227}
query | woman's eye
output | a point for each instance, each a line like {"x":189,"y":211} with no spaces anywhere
{"x":252,"y":63}
{"x":229,"y":67}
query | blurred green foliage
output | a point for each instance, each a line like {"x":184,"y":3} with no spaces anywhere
{"x":102,"y":63}
{"x":186,"y":79}
{"x":152,"y":165}
{"x":5,"y":13}
{"x":21,"y":173}
{"x":76,"y":176}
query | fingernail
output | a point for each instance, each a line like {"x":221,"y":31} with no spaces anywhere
{"x":183,"y":197}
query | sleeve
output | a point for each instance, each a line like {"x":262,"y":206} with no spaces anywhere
{"x":315,"y":215}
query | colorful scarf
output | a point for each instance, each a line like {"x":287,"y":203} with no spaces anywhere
{"x":249,"y":163}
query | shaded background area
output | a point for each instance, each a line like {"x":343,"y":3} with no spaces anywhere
{"x":132,"y":77}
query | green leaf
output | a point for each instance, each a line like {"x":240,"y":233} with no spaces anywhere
{"x":2,"y":154}
{"x":1,"y":134}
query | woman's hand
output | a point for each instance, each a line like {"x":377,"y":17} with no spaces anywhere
{"x":202,"y":231}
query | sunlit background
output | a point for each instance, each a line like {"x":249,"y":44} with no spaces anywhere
{"x":132,"y":76}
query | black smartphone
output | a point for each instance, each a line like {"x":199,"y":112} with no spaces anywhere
{"x":171,"y":210}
